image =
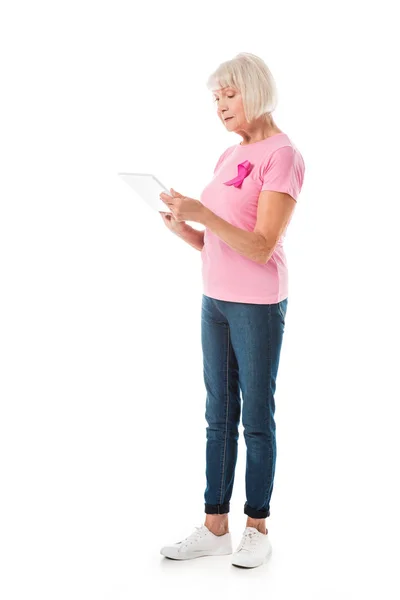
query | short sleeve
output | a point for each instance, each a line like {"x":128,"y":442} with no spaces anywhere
{"x":284,"y":172}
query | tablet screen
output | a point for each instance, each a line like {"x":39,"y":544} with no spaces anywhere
{"x":149,"y":188}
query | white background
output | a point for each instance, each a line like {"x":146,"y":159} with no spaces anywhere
{"x":102,"y":428}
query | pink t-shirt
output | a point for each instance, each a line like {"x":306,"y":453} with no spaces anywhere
{"x":275,"y":164}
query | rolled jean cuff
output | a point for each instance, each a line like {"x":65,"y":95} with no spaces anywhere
{"x":216,"y":509}
{"x":255,"y":514}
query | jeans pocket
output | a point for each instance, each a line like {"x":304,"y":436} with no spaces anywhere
{"x":282,"y":307}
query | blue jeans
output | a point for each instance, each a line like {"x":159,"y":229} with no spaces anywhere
{"x":241,"y":346}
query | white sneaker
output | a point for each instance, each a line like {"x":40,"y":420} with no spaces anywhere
{"x":253,"y":549}
{"x":202,"y":542}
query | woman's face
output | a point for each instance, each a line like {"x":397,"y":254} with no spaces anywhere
{"x":230,"y":108}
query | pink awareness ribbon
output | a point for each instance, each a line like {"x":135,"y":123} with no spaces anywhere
{"x":244,"y":169}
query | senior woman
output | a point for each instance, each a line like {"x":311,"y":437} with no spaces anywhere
{"x":245,"y":209}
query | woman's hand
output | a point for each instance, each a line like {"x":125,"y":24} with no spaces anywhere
{"x":172,"y":224}
{"x":182,"y":207}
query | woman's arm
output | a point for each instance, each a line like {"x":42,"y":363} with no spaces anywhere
{"x":193,"y":237}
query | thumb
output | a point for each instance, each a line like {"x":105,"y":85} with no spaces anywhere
{"x":175,"y":193}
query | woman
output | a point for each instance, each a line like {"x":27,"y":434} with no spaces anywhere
{"x":245,"y":209}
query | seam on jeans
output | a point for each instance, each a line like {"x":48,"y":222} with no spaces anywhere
{"x":269,"y":390}
{"x":226,"y":422}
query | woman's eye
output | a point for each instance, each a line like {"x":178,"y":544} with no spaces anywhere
{"x":216,"y":99}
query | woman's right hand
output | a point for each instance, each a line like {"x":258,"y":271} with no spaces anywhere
{"x":173,"y":225}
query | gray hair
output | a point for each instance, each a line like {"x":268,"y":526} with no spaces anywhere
{"x":248,"y":74}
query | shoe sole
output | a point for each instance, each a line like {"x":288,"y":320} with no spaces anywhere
{"x":265,"y":559}
{"x":198,"y":554}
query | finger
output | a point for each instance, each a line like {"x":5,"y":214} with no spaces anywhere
{"x":165,"y":198}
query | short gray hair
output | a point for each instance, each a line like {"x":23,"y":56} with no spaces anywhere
{"x":248,"y":74}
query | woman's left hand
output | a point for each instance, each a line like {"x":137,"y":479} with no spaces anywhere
{"x":182,"y":207}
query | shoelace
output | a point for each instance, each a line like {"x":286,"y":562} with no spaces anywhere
{"x":248,"y":541}
{"x":198,"y":532}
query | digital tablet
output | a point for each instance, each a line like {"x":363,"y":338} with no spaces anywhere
{"x":149,"y":188}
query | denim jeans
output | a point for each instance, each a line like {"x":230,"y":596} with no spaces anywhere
{"x":241,"y":346}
